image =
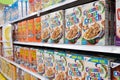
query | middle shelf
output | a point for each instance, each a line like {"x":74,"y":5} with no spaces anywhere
{"x":106,"y":49}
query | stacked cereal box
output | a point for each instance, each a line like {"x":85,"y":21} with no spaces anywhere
{"x":117,"y":23}
{"x":73,"y":30}
{"x":76,"y":67}
{"x":57,"y":26}
{"x":115,"y":70}
{"x":60,"y":65}
{"x":46,"y":30}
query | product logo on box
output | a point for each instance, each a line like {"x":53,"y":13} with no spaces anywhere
{"x":116,"y":74}
{"x":118,"y":13}
{"x":92,"y":14}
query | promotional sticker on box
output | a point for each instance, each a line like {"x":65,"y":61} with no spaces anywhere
{"x":49,"y":64}
{"x":97,"y":68}
{"x":95,"y":27}
{"x":57,"y":26}
{"x":117,"y":23}
{"x":60,"y":65}
{"x":46,"y":30}
{"x":73,"y":30}
{"x":76,"y":65}
{"x":40,"y":61}
{"x":115,"y":70}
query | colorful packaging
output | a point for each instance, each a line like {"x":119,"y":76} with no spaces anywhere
{"x":37,"y":29}
{"x":46,"y":30}
{"x":31,"y":6}
{"x":60,"y":65}
{"x":96,"y":23}
{"x":49,"y":64}
{"x":76,"y":65}
{"x":57,"y":25}
{"x":24,"y":31}
{"x":57,"y":1}
{"x":97,"y":68}
{"x":38,"y":5}
{"x":26,"y":57}
{"x":46,"y":3}
{"x":115,"y":70}
{"x":117,"y":42}
{"x":22,"y":56}
{"x":73,"y":30}
{"x":31,"y":30}
{"x":40,"y":61}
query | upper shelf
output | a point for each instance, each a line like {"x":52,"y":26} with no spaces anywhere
{"x":104,"y":49}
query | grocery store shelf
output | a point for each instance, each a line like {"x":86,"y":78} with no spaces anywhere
{"x":5,"y":75}
{"x":26,"y":70}
{"x":105,"y":49}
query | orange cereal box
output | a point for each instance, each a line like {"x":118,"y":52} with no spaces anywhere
{"x":19,"y":31}
{"x":24,"y":31}
{"x":37,"y":29}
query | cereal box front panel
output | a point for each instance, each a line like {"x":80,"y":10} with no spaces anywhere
{"x":117,"y":22}
{"x":49,"y":64}
{"x":75,"y":67}
{"x":94,"y":24}
{"x":46,"y":30}
{"x":60,"y":65}
{"x":38,"y":5}
{"x":57,"y":26}
{"x":40,"y":61}
{"x":115,"y":71}
{"x":96,"y":69}
{"x":73,"y":30}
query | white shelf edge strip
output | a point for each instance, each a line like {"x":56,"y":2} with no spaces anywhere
{"x":26,"y":70}
{"x":5,"y":75}
{"x":106,"y":49}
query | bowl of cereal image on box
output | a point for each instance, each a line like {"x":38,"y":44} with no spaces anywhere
{"x":45,"y":34}
{"x":50,"y":73}
{"x":41,"y":69}
{"x":94,"y":33}
{"x":73,"y":34}
{"x":56,"y":34}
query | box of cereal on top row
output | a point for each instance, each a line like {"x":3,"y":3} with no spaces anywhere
{"x":73,"y":30}
{"x":76,"y":67}
{"x":57,"y":26}
{"x":115,"y":70}
{"x":117,"y":22}
{"x":60,"y":65}
{"x":96,"y":26}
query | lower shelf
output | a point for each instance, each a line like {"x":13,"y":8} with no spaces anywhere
{"x":26,"y":70}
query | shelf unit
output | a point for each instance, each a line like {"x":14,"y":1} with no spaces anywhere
{"x":26,"y":70}
{"x":5,"y":76}
{"x":106,"y":49}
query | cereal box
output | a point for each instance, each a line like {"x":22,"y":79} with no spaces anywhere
{"x":49,"y":64}
{"x":46,"y":30}
{"x":57,"y":1}
{"x":76,"y":65}
{"x":37,"y":29}
{"x":22,"y":56}
{"x":26,"y":56}
{"x":117,"y":22}
{"x":96,"y":27}
{"x":19,"y":31}
{"x":115,"y":70}
{"x":73,"y":30}
{"x":31,"y":30}
{"x":24,"y":31}
{"x":46,"y":3}
{"x":97,"y":68}
{"x":38,"y":5}
{"x":60,"y":65}
{"x":40,"y":61}
{"x":31,"y":6}
{"x":57,"y":26}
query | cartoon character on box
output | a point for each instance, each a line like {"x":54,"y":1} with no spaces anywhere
{"x":96,"y":69}
{"x":76,"y":67}
{"x":57,"y":26}
{"x":46,"y":30}
{"x":40,"y":61}
{"x":60,"y":65}
{"x":115,"y":70}
{"x":94,"y":24}
{"x":73,"y":31}
{"x":49,"y":64}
